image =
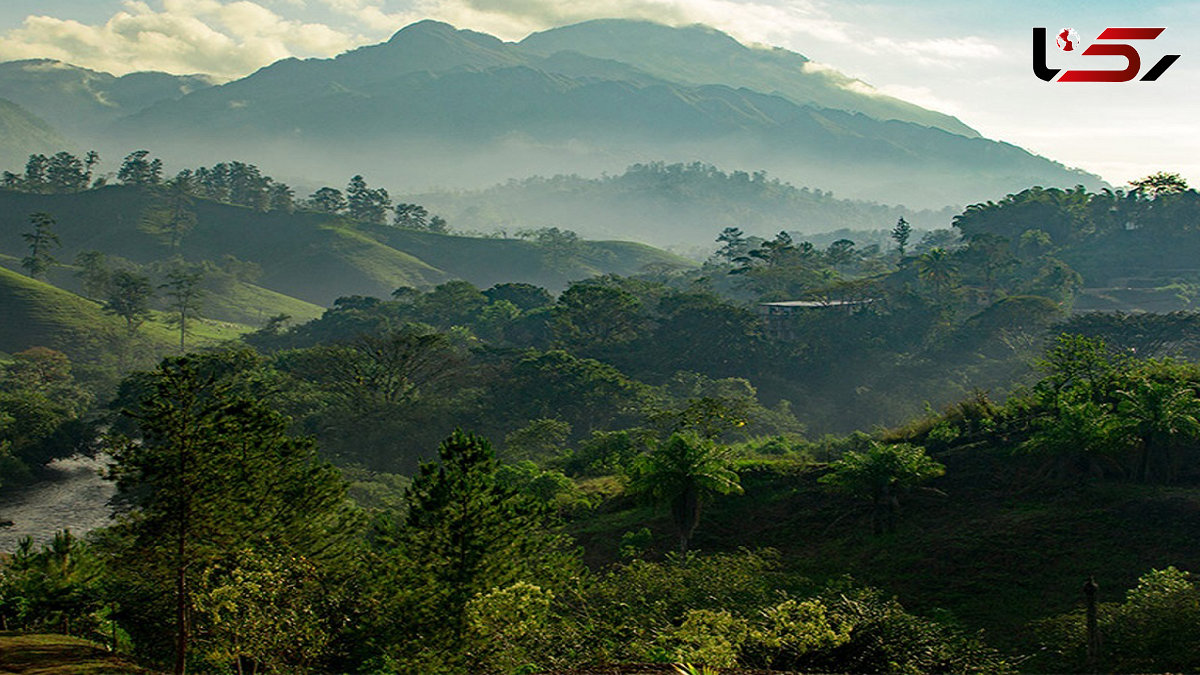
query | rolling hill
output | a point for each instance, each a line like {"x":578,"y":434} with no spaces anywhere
{"x":302,"y":261}
{"x":38,"y":314}
{"x":667,"y":204}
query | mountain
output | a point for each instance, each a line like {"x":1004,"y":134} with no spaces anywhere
{"x":23,"y":134}
{"x":298,"y":260}
{"x":82,"y":102}
{"x":701,"y":55}
{"x":436,"y":106}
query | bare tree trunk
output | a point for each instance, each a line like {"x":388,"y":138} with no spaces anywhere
{"x":1093,"y":624}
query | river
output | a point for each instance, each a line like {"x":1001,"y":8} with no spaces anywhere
{"x":72,"y":496}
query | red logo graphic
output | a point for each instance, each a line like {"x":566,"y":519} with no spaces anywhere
{"x":1068,"y":40}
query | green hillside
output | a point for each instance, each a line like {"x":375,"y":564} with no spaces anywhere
{"x":36,"y":313}
{"x":311,"y":258}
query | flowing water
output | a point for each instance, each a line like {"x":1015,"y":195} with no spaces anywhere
{"x":73,"y":496}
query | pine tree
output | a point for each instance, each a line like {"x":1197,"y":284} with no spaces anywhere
{"x":901,"y":234}
{"x":208,"y":474}
{"x":465,"y":534}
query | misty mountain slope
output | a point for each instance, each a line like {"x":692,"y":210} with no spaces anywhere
{"x":436,"y":106}
{"x":667,"y":204}
{"x":311,"y":258}
{"x":702,"y":55}
{"x":23,"y":134}
{"x":79,"y":101}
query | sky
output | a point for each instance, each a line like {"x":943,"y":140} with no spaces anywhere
{"x":969,"y":58}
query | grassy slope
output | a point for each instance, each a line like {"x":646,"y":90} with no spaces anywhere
{"x":311,"y":257}
{"x":484,"y":262}
{"x":51,"y":654}
{"x":38,"y":314}
{"x":995,"y":555}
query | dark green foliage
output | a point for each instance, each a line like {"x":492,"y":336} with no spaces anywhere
{"x":681,"y":473}
{"x":366,"y":204}
{"x":129,"y":297}
{"x":901,"y":233}
{"x":585,"y":393}
{"x":56,"y":588}
{"x":136,"y":169}
{"x":525,"y":297}
{"x":882,"y":474}
{"x":60,"y":173}
{"x":42,"y":411}
{"x":208,"y":473}
{"x":327,"y":200}
{"x":1155,"y":629}
{"x":465,"y":534}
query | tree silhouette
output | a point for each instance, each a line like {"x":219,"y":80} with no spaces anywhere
{"x":184,"y":294}
{"x":41,"y":241}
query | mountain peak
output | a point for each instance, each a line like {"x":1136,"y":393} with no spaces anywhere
{"x":424,"y":27}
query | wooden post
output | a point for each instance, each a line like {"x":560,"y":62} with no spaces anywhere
{"x":1093,"y":624}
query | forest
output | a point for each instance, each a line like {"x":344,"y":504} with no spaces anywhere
{"x":905,"y":455}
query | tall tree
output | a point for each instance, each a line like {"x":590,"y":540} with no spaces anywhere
{"x":211,"y":472}
{"x":468,"y":533}
{"x":900,"y":234}
{"x":1159,"y":416}
{"x":67,"y":173}
{"x":41,"y":242}
{"x":681,"y":473}
{"x":733,"y":244}
{"x":184,"y":294}
{"x":412,"y":216}
{"x":327,"y":200}
{"x":937,"y":268}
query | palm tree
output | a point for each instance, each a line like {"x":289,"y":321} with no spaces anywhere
{"x":938,"y":268}
{"x":681,"y":473}
{"x":881,"y":473}
{"x":1157,"y":415}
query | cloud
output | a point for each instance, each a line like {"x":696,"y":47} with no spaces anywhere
{"x":938,"y":51}
{"x":221,"y":38}
{"x":748,"y":20}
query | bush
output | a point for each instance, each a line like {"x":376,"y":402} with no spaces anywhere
{"x":1156,"y":629}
